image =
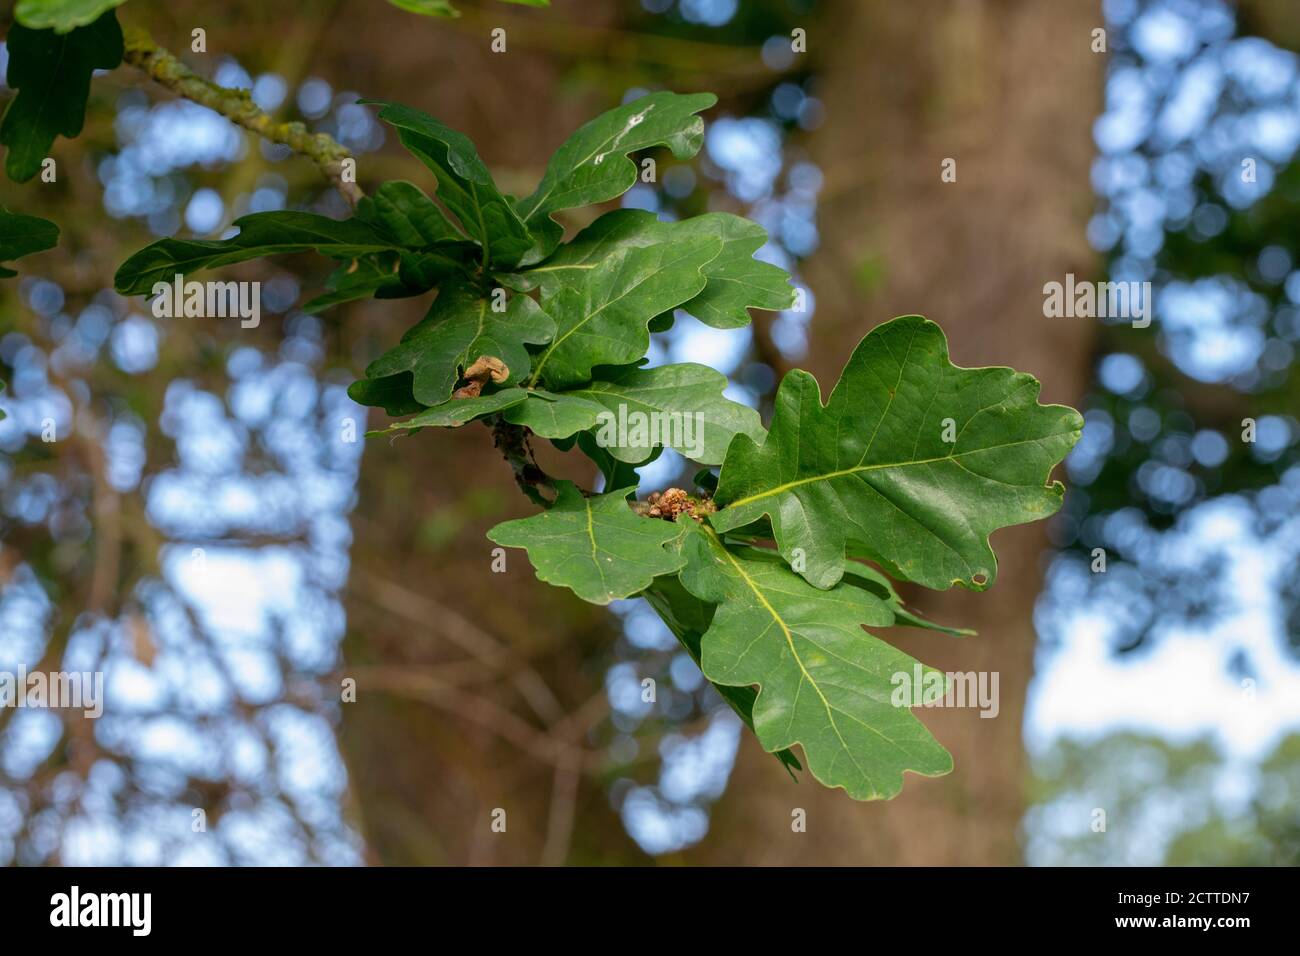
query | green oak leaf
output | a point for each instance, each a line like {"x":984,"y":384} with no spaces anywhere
{"x":616,"y":474}
{"x":597,"y":547}
{"x":393,"y":274}
{"x":865,"y":576}
{"x":859,"y":575}
{"x":871,"y":470}
{"x":736,"y":281}
{"x":427,"y":8}
{"x":464,"y":184}
{"x":361,"y":278}
{"x":457,"y":412}
{"x":555,"y":414}
{"x":688,"y":618}
{"x":823,"y":682}
{"x":593,"y":165}
{"x":706,"y":480}
{"x":634,"y":410}
{"x":421,"y":271}
{"x":685,"y":392}
{"x":51,"y":72}
{"x":260,"y":234}
{"x":62,"y":16}
{"x":461,"y":327}
{"x":392,"y":393}
{"x":22,"y":235}
{"x":403,"y":211}
{"x":601,"y":319}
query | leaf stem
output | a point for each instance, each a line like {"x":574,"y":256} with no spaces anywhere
{"x":237,"y":106}
{"x":512,"y":441}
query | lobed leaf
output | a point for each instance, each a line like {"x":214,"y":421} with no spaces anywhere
{"x":688,"y":618}
{"x":260,"y":234}
{"x":391,"y":393}
{"x":401,"y":210}
{"x":597,"y":547}
{"x":823,"y":682}
{"x":460,"y":328}
{"x":602,"y":318}
{"x":51,"y":72}
{"x":22,"y":235}
{"x":735,"y":280}
{"x":555,"y":414}
{"x":464,"y":184}
{"x":685,"y":400}
{"x":870,"y":471}
{"x":593,"y":166}
{"x":457,"y":412}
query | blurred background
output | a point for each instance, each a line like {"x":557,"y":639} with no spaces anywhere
{"x":206,"y":531}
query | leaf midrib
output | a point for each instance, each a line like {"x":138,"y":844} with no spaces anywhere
{"x":789,"y":639}
{"x":607,"y":145}
{"x":858,"y":469}
{"x":586,"y":319}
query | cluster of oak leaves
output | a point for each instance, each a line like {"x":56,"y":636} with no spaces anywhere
{"x":911,"y":464}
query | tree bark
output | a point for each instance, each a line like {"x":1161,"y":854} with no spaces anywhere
{"x":1008,"y":89}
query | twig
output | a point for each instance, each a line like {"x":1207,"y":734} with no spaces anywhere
{"x":564,"y":802}
{"x":421,"y":686}
{"x":421,"y":609}
{"x":512,"y":442}
{"x":238,"y":107}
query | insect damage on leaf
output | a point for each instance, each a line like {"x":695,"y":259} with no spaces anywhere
{"x":486,"y":368}
{"x":672,"y":504}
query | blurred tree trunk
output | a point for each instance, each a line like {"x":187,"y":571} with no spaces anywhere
{"x":1275,"y":20}
{"x":468,"y":681}
{"x":1009,"y":89}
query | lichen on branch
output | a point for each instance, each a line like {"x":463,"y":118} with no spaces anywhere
{"x":237,"y":106}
